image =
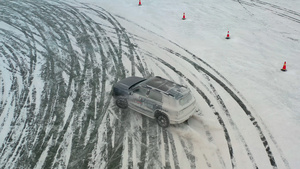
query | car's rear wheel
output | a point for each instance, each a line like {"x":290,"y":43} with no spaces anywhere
{"x":122,"y":103}
{"x":162,"y":120}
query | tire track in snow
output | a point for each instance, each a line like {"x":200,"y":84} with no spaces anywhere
{"x":263,"y":139}
{"x":208,"y":134}
{"x":221,"y":103}
{"x":42,"y":129}
{"x":269,"y":133}
{"x":211,"y":139}
{"x":240,"y":103}
{"x":153,"y":146}
{"x":82,"y":135}
{"x":188,"y":147}
{"x":89,"y":117}
{"x":126,"y":38}
{"x":109,"y":135}
{"x":186,"y":144}
{"x":234,"y":89}
{"x":27,"y":86}
{"x":143,"y":70}
{"x":226,"y":112}
{"x":144,"y":147}
{"x":220,"y":120}
{"x":174,"y":151}
{"x":288,"y":14}
{"x":167,"y":149}
{"x":54,"y":148}
{"x":17,"y":66}
{"x":216,"y":113}
{"x":227,"y":89}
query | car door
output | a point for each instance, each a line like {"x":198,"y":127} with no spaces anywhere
{"x":137,"y":97}
{"x":152,"y":102}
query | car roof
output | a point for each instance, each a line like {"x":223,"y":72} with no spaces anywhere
{"x":166,"y":86}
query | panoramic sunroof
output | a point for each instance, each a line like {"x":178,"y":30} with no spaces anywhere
{"x":161,"y":84}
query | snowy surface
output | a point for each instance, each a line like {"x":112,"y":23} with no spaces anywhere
{"x":59,"y":59}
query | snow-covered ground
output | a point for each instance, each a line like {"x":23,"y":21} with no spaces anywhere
{"x":59,"y":60}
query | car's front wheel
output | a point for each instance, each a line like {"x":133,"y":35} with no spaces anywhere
{"x":122,"y":103}
{"x":162,"y":120}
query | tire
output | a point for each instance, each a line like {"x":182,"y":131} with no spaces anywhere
{"x":162,"y":120}
{"x":122,"y":103}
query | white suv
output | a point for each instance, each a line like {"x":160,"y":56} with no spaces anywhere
{"x":156,"y":97}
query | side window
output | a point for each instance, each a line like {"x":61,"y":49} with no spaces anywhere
{"x":155,"y":96}
{"x":140,"y":91}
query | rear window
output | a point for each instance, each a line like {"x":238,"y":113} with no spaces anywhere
{"x":185,"y":99}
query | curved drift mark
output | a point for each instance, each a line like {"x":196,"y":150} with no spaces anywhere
{"x":237,"y":99}
{"x":227,"y":137}
{"x":219,"y":74}
{"x":288,"y":14}
{"x":74,"y":56}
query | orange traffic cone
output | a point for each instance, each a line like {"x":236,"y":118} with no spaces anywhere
{"x":284,"y":67}
{"x":140,"y":3}
{"x":227,"y":37}
{"x":183,"y":18}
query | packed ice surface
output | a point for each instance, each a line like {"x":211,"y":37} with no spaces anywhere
{"x":60,"y":59}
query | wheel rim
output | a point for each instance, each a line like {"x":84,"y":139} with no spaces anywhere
{"x":162,"y":121}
